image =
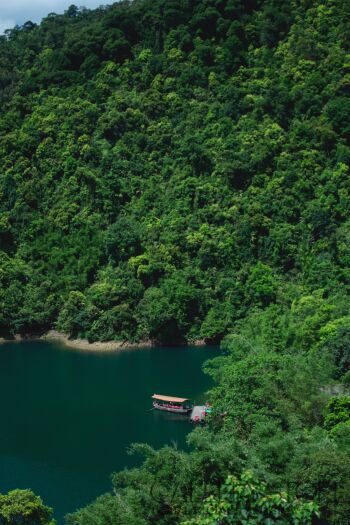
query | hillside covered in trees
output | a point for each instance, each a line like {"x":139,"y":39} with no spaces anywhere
{"x":167,"y":166}
{"x":178,"y":170}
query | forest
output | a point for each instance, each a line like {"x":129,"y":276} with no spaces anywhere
{"x":175,"y":171}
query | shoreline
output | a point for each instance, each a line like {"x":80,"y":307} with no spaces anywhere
{"x":54,"y":336}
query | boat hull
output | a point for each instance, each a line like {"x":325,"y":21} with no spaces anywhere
{"x":174,"y":409}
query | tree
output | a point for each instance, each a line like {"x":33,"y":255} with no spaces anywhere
{"x":337,"y":414}
{"x":245,"y":500}
{"x":22,"y":507}
{"x":321,"y":471}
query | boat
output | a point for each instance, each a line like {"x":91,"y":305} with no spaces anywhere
{"x":180,"y":405}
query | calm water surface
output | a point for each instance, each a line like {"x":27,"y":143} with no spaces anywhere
{"x":68,"y":417}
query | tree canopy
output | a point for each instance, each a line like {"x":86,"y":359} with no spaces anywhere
{"x":22,"y":507}
{"x":166,"y":166}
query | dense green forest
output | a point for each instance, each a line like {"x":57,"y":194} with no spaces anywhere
{"x":175,"y":170}
{"x":166,"y":167}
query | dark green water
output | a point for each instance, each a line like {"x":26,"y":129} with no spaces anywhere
{"x":68,"y":417}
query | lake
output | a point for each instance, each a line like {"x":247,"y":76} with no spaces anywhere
{"x":69,"y":416}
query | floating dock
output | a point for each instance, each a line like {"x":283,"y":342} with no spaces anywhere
{"x":198,"y":414}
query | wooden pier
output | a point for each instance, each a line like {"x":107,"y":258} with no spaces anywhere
{"x":198,"y":414}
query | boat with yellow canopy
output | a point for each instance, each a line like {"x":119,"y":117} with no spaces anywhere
{"x":180,"y":405}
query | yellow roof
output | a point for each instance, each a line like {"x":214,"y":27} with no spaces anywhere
{"x":170,"y":399}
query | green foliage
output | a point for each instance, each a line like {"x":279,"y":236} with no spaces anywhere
{"x":245,"y":500}
{"x":194,"y":150}
{"x":322,"y":470}
{"x":22,"y":507}
{"x":338,"y":414}
{"x":275,"y":390}
{"x":261,"y":285}
{"x":168,"y":486}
